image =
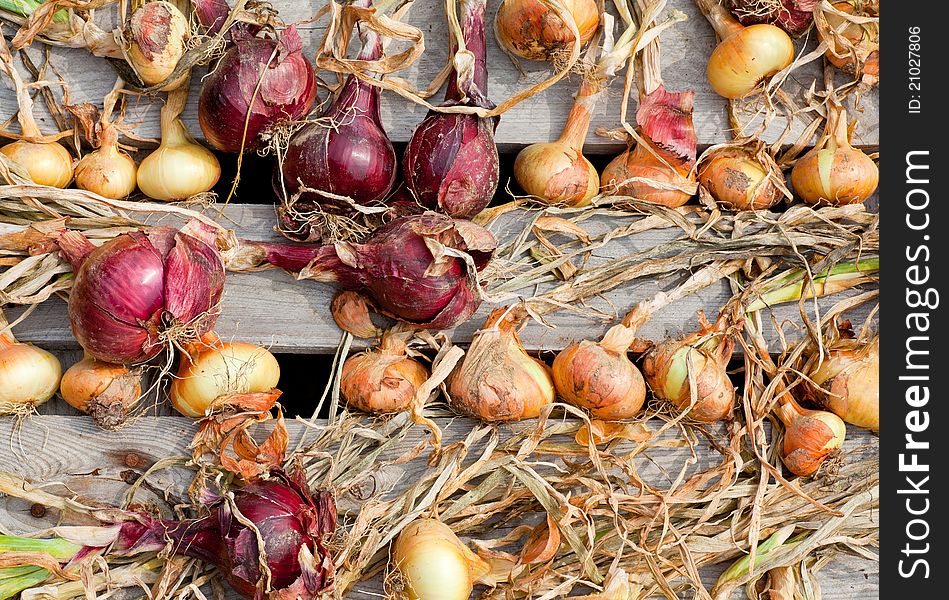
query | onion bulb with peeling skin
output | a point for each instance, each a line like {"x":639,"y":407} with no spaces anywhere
{"x":599,"y":377}
{"x":156,"y":36}
{"x":742,"y":177}
{"x":853,"y":48}
{"x":435,"y":565}
{"x":108,"y":171}
{"x":48,"y":163}
{"x":498,"y":380}
{"x":558,"y":172}
{"x":384,"y":379}
{"x":351,"y":310}
{"x":834,"y":172}
{"x":532,"y":30}
{"x":746,"y":55}
{"x":704,"y":356}
{"x":211,"y":368}
{"x":810,"y":437}
{"x":29,"y":376}
{"x":103,"y":390}
{"x":847,"y":382}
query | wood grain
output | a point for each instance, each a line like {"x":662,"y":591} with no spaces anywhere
{"x":274,"y":310}
{"x":72,"y":452}
{"x":686,"y":47}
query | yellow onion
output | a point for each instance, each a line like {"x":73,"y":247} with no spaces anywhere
{"x":108,"y":171}
{"x":383,"y":379}
{"x":532,"y":30}
{"x":155,"y":37}
{"x":810,"y":437}
{"x":498,"y":380}
{"x":852,"y":47}
{"x":847,"y":382}
{"x":834,"y":172}
{"x":211,"y":368}
{"x":558,"y":172}
{"x":742,"y":177}
{"x":599,"y":377}
{"x":659,"y":168}
{"x":106,"y":391}
{"x":48,"y":163}
{"x":704,"y":355}
{"x":746,"y":55}
{"x":435,"y":565}
{"x":29,"y":376}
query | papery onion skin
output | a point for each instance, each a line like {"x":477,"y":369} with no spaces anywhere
{"x":29,"y":376}
{"x":451,"y":161}
{"x":293,"y":525}
{"x":140,"y":287}
{"x":531,"y":30}
{"x":810,"y":437}
{"x":740,"y":62}
{"x":384,"y":379}
{"x":640,"y":162}
{"x":497,"y":380}
{"x":864,"y":60}
{"x":156,"y":37}
{"x":739,"y":182}
{"x":847,"y":383}
{"x":793,"y":16}
{"x":434,"y":564}
{"x":47,"y":163}
{"x":108,"y":172}
{"x":259,"y":82}
{"x":105,"y":391}
{"x":350,"y":311}
{"x":212,"y":368}
{"x":599,"y":379}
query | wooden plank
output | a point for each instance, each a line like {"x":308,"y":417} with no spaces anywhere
{"x":71,"y":451}
{"x":274,"y":310}
{"x":686,"y":47}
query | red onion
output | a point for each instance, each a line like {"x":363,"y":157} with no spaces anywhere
{"x":793,"y":16}
{"x":346,"y":153}
{"x":451,"y":162}
{"x":143,"y":290}
{"x":409,"y":267}
{"x":268,"y":79}
{"x":212,"y":14}
{"x":293,"y":525}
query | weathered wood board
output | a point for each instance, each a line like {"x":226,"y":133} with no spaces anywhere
{"x":90,"y":462}
{"x":686,"y":47}
{"x":272,"y":309}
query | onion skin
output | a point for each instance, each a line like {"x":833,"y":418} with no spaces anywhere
{"x":600,"y":378}
{"x":741,"y":179}
{"x":810,"y":437}
{"x":29,"y":376}
{"x":862,"y":58}
{"x":258,"y":82}
{"x":350,"y":311}
{"x":833,"y":172}
{"x":156,"y":37}
{"x":451,"y":162}
{"x":47,"y":163}
{"x":292,"y":523}
{"x":497,"y":380}
{"x":382,"y":380}
{"x":640,"y":162}
{"x":847,"y":383}
{"x":434,"y":564}
{"x":395,"y":267}
{"x":212,"y":368}
{"x":105,"y":391}
{"x":138,"y":287}
{"x":666,"y":369}
{"x":530,"y":30}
